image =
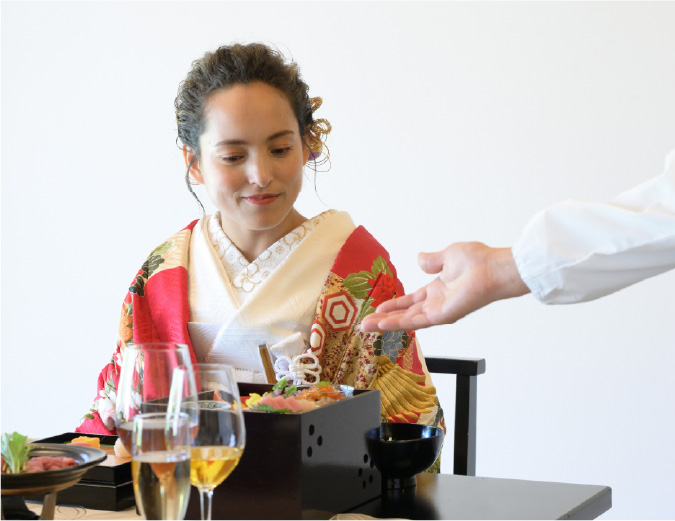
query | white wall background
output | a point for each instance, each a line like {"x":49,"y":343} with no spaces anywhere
{"x":452,"y":121}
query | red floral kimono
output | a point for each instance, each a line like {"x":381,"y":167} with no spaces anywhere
{"x":156,"y":309}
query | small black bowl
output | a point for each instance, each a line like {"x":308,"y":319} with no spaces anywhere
{"x":400,"y":451}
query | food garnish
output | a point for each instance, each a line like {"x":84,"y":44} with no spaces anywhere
{"x":87,"y":441}
{"x":282,"y":388}
{"x":14,"y":453}
{"x":263,"y":407}
{"x":252,"y":399}
{"x":321,"y":392}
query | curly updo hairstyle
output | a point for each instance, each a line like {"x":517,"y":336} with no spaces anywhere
{"x":241,"y":64}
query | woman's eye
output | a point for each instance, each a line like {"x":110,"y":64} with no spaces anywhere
{"x":281,"y":151}
{"x":232,"y":159}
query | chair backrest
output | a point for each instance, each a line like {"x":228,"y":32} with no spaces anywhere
{"x":467,"y":371}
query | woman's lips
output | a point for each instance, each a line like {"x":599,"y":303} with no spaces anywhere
{"x":262,"y":199}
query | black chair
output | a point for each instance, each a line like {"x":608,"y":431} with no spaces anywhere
{"x":467,"y":371}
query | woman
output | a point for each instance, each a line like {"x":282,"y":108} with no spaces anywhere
{"x":257,"y":271}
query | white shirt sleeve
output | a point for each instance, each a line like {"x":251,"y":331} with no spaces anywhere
{"x":575,"y":251}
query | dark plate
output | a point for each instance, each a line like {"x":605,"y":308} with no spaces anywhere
{"x":111,"y":471}
{"x":52,"y":480}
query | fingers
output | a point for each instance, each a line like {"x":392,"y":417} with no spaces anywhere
{"x":403,"y":302}
{"x":404,"y":322}
{"x":413,"y":318}
{"x":394,"y":310}
{"x":371,"y":323}
{"x":391,"y":308}
{"x":431,"y":262}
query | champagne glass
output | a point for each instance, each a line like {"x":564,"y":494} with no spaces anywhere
{"x":221,"y":437}
{"x":160,"y":466}
{"x":145,"y":384}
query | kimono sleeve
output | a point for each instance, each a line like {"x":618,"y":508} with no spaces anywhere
{"x":361,"y":278}
{"x":166,"y":265}
{"x":101,"y":417}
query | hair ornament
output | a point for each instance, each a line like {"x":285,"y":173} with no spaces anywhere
{"x":317,"y":131}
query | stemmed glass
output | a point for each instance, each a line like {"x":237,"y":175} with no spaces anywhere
{"x":146,"y":382}
{"x":221,"y":438}
{"x":160,"y":467}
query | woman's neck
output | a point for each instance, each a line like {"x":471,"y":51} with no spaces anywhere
{"x":251,"y":243}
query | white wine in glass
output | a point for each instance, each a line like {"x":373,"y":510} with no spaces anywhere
{"x":160,"y":466}
{"x":210,"y":465}
{"x":221,"y":438}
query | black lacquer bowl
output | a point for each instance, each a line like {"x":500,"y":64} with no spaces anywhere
{"x":400,"y":451}
{"x":52,"y":480}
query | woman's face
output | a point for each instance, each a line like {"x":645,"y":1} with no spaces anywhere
{"x":251,"y":160}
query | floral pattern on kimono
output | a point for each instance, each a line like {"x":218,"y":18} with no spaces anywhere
{"x":361,"y":279}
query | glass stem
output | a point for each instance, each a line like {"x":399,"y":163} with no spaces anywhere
{"x":162,"y":498}
{"x":205,"y":501}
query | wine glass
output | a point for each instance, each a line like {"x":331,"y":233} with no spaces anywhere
{"x":160,"y":465}
{"x":221,"y":437}
{"x":145,"y":384}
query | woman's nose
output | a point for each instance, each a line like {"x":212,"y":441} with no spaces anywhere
{"x":259,"y":172}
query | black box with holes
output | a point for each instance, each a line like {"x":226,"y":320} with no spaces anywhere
{"x":310,"y":465}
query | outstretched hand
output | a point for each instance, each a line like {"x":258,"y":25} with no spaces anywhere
{"x":471,"y":276}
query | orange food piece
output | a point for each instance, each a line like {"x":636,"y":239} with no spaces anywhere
{"x":319,"y":393}
{"x":87,"y":440}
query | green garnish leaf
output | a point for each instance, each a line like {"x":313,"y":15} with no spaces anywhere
{"x":290,"y":390}
{"x":15,"y":452}
{"x":323,"y":384}
{"x":280,"y":385}
{"x":268,"y":408}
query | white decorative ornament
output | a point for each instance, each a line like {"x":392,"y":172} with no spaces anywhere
{"x":297,"y":370}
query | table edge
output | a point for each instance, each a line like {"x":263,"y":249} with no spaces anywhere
{"x":593,"y":507}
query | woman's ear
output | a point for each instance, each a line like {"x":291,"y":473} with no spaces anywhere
{"x":305,"y":154}
{"x":192,"y":163}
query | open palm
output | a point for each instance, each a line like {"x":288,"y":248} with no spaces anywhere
{"x":471,"y":275}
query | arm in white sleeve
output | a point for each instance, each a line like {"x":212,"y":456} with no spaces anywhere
{"x":575,"y":251}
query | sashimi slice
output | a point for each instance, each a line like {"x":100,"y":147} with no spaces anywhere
{"x":280,"y":403}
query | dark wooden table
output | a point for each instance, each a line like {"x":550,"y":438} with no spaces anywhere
{"x":446,"y":496}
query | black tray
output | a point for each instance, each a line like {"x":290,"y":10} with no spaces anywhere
{"x":98,"y":496}
{"x":107,"y":486}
